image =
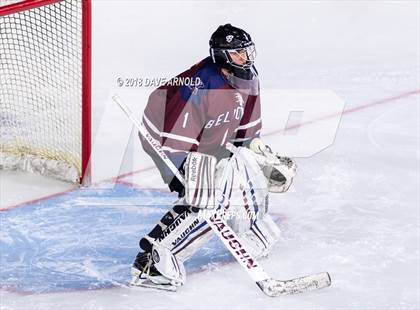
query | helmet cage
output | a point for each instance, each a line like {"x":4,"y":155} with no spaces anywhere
{"x":248,"y":54}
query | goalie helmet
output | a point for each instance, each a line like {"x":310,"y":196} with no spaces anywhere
{"x":228,"y":40}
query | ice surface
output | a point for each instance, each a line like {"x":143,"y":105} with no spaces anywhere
{"x":353,"y":209}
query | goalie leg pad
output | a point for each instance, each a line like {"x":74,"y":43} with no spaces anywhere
{"x":168,"y":265}
{"x":249,"y":196}
{"x":160,"y":268}
{"x":192,"y":231}
{"x":261,"y":237}
{"x":181,"y":230}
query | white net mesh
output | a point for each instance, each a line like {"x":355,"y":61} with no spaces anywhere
{"x":41,"y":89}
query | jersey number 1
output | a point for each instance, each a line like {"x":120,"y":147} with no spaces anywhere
{"x":184,"y":124}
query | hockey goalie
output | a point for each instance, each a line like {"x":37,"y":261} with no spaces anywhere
{"x":208,"y":122}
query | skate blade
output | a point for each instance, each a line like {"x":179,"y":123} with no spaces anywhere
{"x":137,"y":282}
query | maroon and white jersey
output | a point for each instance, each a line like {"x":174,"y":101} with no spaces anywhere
{"x":201,"y":110}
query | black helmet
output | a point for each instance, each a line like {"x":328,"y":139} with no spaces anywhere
{"x":227,"y":40}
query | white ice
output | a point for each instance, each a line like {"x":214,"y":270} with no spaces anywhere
{"x":354,"y":207}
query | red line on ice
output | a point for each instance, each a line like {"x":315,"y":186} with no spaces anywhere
{"x":347,"y":111}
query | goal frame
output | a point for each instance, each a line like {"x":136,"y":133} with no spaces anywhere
{"x":86,"y":73}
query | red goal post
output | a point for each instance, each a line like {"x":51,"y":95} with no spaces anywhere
{"x":45,"y":93}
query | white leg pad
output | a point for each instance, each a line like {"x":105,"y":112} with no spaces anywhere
{"x":168,"y":265}
{"x":264,"y":233}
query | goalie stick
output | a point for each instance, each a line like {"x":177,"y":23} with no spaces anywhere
{"x":268,"y":285}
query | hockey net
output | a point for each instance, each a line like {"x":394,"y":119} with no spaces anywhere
{"x":45,"y":87}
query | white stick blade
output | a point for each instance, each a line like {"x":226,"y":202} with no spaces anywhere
{"x":273,"y":288}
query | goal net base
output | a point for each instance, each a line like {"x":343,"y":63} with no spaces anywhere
{"x":48,"y":167}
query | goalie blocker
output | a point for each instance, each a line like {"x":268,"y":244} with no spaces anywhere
{"x":200,"y":170}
